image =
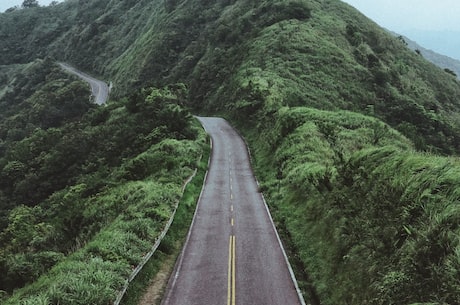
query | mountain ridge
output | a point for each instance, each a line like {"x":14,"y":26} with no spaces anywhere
{"x":329,"y":102}
{"x":440,"y":60}
{"x":443,"y":41}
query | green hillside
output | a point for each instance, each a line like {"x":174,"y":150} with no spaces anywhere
{"x":83,"y":189}
{"x":355,"y":138}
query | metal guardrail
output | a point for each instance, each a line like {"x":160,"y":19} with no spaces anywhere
{"x":158,"y":241}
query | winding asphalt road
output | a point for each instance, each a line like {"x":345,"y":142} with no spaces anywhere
{"x":232,"y":254}
{"x":99,"y":89}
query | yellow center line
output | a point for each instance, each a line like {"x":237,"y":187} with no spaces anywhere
{"x":231,"y":298}
{"x":234,"y":272}
{"x":229,"y":287}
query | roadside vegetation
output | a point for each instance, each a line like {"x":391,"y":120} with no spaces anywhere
{"x":355,"y":140}
{"x":363,"y":211}
{"x":171,"y":245}
{"x":89,"y":194}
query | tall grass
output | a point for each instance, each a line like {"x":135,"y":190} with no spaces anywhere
{"x":173,"y":241}
{"x":370,"y":220}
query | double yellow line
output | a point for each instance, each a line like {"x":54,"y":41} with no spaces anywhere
{"x":231,"y":271}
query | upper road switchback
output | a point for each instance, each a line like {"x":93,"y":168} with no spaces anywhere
{"x":99,"y":89}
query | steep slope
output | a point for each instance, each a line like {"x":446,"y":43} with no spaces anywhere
{"x":90,"y":34}
{"x":334,"y":107}
{"x":322,"y":54}
{"x":442,"y":61}
{"x":70,"y":170}
{"x":242,"y":57}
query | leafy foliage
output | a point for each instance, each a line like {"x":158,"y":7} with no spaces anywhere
{"x":74,"y":184}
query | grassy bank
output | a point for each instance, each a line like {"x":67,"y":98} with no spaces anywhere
{"x":173,"y":241}
{"x":99,"y":268}
{"x":368,"y":219}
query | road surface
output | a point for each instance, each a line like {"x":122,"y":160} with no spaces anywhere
{"x":232,"y":254}
{"x":99,"y":89}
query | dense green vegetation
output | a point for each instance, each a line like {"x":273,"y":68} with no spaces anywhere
{"x":37,"y":99}
{"x":172,"y":243}
{"x":365,"y":213}
{"x":232,"y":55}
{"x":355,"y":139}
{"x":85,"y":188}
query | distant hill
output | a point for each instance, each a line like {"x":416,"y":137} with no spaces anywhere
{"x":440,"y":60}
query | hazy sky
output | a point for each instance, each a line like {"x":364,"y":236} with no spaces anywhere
{"x":6,"y":4}
{"x":412,"y":14}
{"x":434,"y":24}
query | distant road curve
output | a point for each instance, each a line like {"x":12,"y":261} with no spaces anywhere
{"x":99,"y":89}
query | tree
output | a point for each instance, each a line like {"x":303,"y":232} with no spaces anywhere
{"x":12,"y":9}
{"x":450,"y":72}
{"x":21,"y":227}
{"x":30,"y":3}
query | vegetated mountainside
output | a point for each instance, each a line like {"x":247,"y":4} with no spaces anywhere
{"x":354,"y":135}
{"x":87,"y":33}
{"x":316,"y":53}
